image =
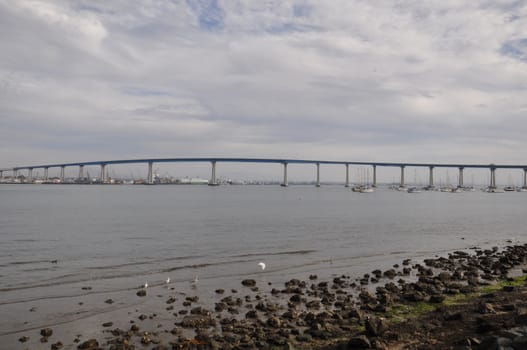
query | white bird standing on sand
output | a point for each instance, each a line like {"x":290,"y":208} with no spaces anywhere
{"x":145,"y":285}
{"x":262,"y":265}
{"x":195,"y":281}
{"x":168,"y":280}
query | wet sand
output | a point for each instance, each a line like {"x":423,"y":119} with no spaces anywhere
{"x":331,"y":311}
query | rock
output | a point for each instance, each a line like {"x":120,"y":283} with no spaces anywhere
{"x":519,"y":342}
{"x":91,"y":344}
{"x":56,"y":346}
{"x":107,"y":324}
{"x":23,"y":339}
{"x":46,"y":332}
{"x":274,"y":322}
{"x":108,"y":301}
{"x":219,"y":291}
{"x":360,"y":342}
{"x":437,"y":298}
{"x":249,"y":282}
{"x":486,"y":308}
{"x":193,"y":321}
{"x":375,"y":326}
{"x":141,"y":293}
{"x":251,"y":314}
{"x":391,"y":273}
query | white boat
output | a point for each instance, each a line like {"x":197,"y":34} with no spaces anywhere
{"x":413,"y":190}
{"x":493,"y":190}
{"x":367,"y":189}
{"x":509,"y":189}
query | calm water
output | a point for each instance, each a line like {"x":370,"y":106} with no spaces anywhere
{"x":114,"y":238}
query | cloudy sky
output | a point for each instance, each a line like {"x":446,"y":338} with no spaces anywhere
{"x":420,"y":81}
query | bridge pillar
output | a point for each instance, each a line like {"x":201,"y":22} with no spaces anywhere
{"x":524,"y":178}
{"x":103,"y":173}
{"x":46,"y":173}
{"x":284,"y":183}
{"x":62,"y":177}
{"x":492,"y":178}
{"x":318,"y":175}
{"x":213,"y":175}
{"x":431,"y":177}
{"x":402,"y":176}
{"x":460,"y":180}
{"x":81,"y":172}
{"x":150,"y":176}
{"x":30,"y":174}
{"x":374,"y":183}
{"x":347,"y":176}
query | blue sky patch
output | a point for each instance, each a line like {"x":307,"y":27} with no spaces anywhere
{"x":210,"y":14}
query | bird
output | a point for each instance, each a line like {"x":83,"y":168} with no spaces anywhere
{"x":262,"y":265}
{"x":195,"y":281}
{"x":145,"y":285}
{"x":168,"y":280}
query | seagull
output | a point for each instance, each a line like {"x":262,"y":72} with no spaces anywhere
{"x":262,"y":265}
{"x":195,"y":281}
{"x":145,"y":285}
{"x":168,"y":280}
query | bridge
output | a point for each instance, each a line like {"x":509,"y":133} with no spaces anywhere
{"x":213,"y":161}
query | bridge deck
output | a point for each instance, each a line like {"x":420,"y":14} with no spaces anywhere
{"x":266,"y":160}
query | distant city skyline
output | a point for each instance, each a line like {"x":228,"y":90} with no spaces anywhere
{"x":406,"y":81}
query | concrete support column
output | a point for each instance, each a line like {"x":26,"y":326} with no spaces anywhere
{"x":284,"y":183}
{"x":492,"y":178}
{"x":213,"y":175}
{"x":30,"y":174}
{"x":62,"y":177}
{"x":150,"y":177}
{"x":524,"y":178}
{"x":431,"y":177}
{"x":460,"y":180}
{"x":81,"y":172}
{"x":347,"y":176}
{"x":318,"y":175}
{"x":374,"y":183}
{"x":103,"y":173}
{"x":46,"y":173}
{"x":402,"y":176}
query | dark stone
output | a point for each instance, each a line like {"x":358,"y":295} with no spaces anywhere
{"x":108,"y":301}
{"x":23,"y":339}
{"x":249,"y":282}
{"x":437,"y":298}
{"x":107,"y":324}
{"x":194,"y":321}
{"x":360,"y":342}
{"x":56,"y":346}
{"x":141,"y":293}
{"x":251,"y":314}
{"x":375,"y":326}
{"x":89,"y":345}
{"x":519,"y":343}
{"x":46,"y":332}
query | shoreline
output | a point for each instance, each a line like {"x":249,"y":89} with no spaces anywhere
{"x":345,"y":312}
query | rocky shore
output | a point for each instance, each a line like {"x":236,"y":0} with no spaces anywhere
{"x":471,"y":299}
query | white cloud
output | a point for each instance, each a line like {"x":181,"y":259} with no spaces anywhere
{"x":406,"y":80}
